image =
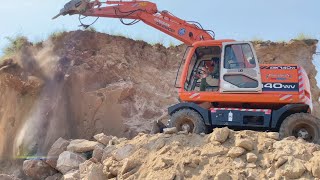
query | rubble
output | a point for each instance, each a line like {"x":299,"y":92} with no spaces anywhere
{"x":192,"y":156}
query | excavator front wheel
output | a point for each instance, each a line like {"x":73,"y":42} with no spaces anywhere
{"x":188,"y":120}
{"x":301,"y":125}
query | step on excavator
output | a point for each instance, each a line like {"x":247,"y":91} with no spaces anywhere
{"x":221,"y":82}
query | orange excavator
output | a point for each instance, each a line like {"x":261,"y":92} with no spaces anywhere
{"x":221,"y":81}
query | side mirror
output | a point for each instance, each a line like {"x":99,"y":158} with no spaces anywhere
{"x":251,"y":60}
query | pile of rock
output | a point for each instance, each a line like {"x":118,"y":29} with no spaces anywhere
{"x":223,"y":154}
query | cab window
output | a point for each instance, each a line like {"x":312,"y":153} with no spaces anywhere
{"x":239,"y":56}
{"x":203,"y":59}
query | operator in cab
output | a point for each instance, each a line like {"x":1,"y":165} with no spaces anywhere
{"x":210,"y":79}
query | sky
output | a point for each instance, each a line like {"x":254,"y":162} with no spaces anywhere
{"x":275,"y":20}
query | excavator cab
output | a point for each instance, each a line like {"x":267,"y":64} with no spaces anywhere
{"x":238,"y":68}
{"x":240,"y":71}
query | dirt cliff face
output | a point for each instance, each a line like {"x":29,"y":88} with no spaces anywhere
{"x":85,"y":83}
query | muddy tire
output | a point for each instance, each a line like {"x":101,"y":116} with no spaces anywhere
{"x":188,"y":120}
{"x":301,"y":125}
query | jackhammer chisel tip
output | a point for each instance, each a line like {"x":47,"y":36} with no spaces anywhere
{"x":55,"y":17}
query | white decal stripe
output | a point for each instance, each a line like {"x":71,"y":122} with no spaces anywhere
{"x":285,"y":97}
{"x":194,"y":95}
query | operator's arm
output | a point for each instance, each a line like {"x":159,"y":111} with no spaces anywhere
{"x":203,"y":84}
{"x":216,"y":72}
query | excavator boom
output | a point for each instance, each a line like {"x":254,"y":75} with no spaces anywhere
{"x":187,"y":32}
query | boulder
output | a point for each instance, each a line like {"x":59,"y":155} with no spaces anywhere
{"x":170,"y":130}
{"x":56,"y":149}
{"x":244,"y":143}
{"x":7,"y":177}
{"x":238,"y":163}
{"x":223,"y":175}
{"x":251,"y":158}
{"x":37,"y":169}
{"x":91,"y":171}
{"x":107,"y":152}
{"x":102,"y":138}
{"x":68,"y":161}
{"x":98,"y":152}
{"x":293,"y":169}
{"x":129,"y":167}
{"x":57,"y":176}
{"x":72,"y":175}
{"x":124,"y":152}
{"x":81,"y":145}
{"x":314,"y":165}
{"x":236,"y":152}
{"x":273,"y":135}
{"x":219,"y":134}
{"x":280,"y":162}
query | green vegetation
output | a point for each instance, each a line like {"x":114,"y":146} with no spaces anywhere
{"x":171,"y":44}
{"x":56,"y":34}
{"x":15,"y":44}
{"x":257,"y":40}
{"x":91,"y":29}
{"x":302,"y":36}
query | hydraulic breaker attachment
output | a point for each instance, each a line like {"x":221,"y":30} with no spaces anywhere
{"x":74,"y":7}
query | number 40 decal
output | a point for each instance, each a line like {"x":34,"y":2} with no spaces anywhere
{"x":280,"y":86}
{"x":273,"y":85}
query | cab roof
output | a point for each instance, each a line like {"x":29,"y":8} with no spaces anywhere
{"x":212,"y":42}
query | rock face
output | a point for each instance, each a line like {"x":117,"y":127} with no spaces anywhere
{"x":68,"y":161}
{"x":57,"y":148}
{"x":38,"y":169}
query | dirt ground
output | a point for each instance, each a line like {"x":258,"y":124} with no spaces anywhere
{"x":83,"y":83}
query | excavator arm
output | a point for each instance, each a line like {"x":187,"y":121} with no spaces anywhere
{"x":187,"y":32}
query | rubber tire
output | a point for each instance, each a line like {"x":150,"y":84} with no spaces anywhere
{"x":180,"y":116}
{"x":288,"y":124}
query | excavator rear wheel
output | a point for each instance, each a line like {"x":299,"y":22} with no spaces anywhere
{"x":301,"y":125}
{"x":188,"y":120}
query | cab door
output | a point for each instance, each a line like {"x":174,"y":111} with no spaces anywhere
{"x":240,"y":71}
